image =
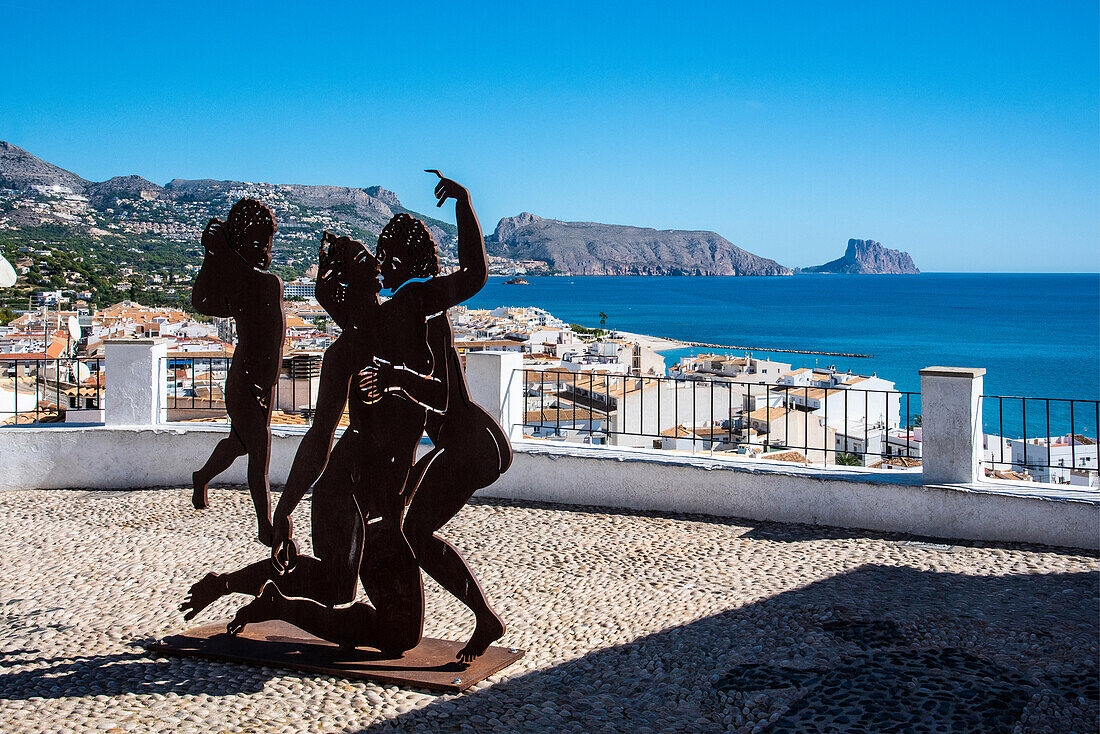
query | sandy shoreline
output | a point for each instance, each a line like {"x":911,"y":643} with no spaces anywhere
{"x":655,"y":343}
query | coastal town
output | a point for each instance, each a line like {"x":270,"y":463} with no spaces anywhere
{"x":581,"y":385}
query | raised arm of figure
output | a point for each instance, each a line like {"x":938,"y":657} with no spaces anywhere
{"x":444,"y":291}
{"x":313,"y":453}
{"x":208,"y":293}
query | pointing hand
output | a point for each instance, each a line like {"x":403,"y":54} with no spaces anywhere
{"x":448,"y":189}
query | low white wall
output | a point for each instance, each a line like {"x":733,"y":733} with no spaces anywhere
{"x":109,"y":457}
{"x":766,"y":491}
{"x":124,"y":457}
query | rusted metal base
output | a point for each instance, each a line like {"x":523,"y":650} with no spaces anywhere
{"x":431,"y":664}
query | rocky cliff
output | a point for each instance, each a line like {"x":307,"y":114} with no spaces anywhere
{"x":124,"y":187}
{"x":590,"y":248}
{"x":22,"y":171}
{"x":868,"y":257}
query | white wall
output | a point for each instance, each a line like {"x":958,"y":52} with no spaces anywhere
{"x":125,"y":457}
{"x":855,"y":499}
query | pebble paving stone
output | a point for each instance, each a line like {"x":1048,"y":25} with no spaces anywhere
{"x":633,"y":622}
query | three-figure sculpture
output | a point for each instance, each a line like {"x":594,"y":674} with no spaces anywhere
{"x":376,"y":509}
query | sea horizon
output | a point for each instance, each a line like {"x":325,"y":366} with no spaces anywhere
{"x":999,"y":321}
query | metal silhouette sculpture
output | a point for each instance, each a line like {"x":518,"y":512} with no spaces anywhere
{"x":394,"y":365}
{"x":470,"y":451}
{"x":233,"y":282}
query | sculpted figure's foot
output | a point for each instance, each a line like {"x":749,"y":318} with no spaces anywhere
{"x":198,"y":496}
{"x":203,"y":593}
{"x":260,"y":609}
{"x":489,"y":629}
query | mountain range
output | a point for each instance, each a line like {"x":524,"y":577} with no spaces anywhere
{"x":177,"y":211}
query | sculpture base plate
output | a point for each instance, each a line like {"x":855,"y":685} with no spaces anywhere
{"x":431,"y":664}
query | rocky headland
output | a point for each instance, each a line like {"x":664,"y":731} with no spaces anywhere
{"x":591,"y":248}
{"x":867,"y":257}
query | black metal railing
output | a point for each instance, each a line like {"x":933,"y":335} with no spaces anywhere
{"x":49,"y":390}
{"x":1042,"y":439}
{"x":195,"y":390}
{"x":804,"y":423}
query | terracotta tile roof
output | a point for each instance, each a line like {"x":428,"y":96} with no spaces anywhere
{"x":1005,"y":474}
{"x":766,"y":414}
{"x":792,"y":456}
{"x":612,"y":385}
{"x":44,"y":416}
{"x":177,"y":354}
{"x":554,"y":416}
{"x":905,"y":461}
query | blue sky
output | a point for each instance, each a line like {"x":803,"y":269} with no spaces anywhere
{"x":966,"y":133}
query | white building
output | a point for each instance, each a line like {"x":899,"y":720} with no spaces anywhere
{"x":1069,"y":459}
{"x":300,"y":288}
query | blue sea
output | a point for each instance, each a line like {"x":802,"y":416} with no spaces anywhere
{"x":1037,"y":335}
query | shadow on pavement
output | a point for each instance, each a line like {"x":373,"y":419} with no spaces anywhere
{"x":877,"y":649}
{"x":113,"y":675}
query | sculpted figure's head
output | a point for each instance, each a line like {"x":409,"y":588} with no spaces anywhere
{"x":347,"y":279}
{"x":407,"y":250}
{"x":250,"y":230}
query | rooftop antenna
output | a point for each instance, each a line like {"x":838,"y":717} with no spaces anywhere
{"x":73,"y":325}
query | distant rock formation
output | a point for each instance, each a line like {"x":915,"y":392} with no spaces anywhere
{"x":590,"y":248}
{"x":124,"y":187}
{"x":868,"y":257}
{"x":22,"y":171}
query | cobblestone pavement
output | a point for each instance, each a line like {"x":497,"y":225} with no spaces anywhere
{"x":632,"y":622}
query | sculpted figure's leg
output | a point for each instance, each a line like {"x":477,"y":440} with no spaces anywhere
{"x":447,"y":485}
{"x":356,"y":625}
{"x":389,"y":571}
{"x":223,"y":456}
{"x":336,"y":527}
{"x":258,"y":443}
{"x":251,"y":423}
{"x":391,"y":578}
{"x":330,"y":577}
{"x":352,"y":626}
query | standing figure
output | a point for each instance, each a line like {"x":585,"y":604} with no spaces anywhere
{"x":233,"y":283}
{"x":470,"y":451}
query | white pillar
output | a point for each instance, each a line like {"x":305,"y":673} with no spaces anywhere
{"x":496,"y":384}
{"x":136,"y":372}
{"x":951,"y":420}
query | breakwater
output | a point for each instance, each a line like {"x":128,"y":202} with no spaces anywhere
{"x":708,"y":345}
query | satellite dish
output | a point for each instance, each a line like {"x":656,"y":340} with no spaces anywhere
{"x":74,"y":328}
{"x":7,"y":273}
{"x":80,"y":372}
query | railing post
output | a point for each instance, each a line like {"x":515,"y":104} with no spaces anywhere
{"x":136,"y":372}
{"x":951,"y":420}
{"x":496,"y":384}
